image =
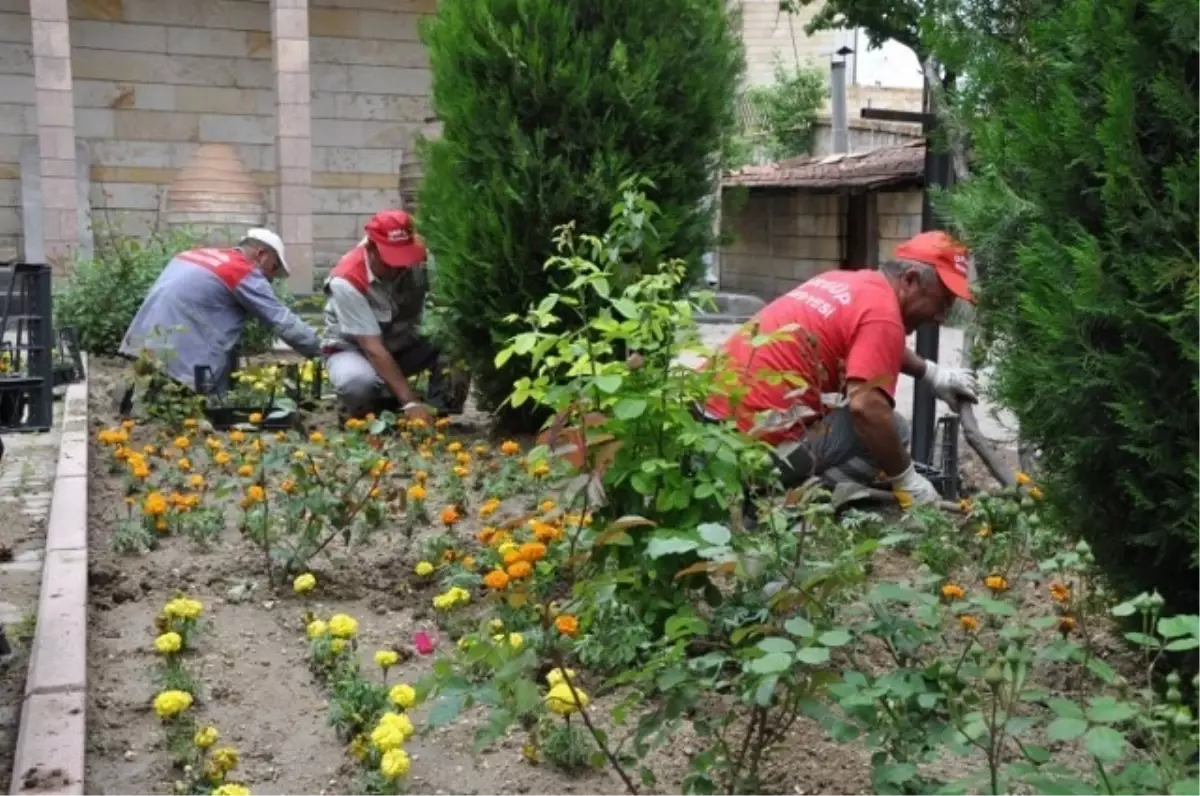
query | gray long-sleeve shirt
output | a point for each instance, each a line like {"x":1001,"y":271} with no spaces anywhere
{"x":197,"y":309}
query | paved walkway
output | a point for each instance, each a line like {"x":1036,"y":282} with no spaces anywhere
{"x":26,"y":479}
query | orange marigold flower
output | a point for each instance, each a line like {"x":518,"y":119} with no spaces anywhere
{"x":545,"y":532}
{"x":1060,"y":592}
{"x":1023,"y":479}
{"x":419,"y":476}
{"x":984,"y":532}
{"x":566,"y":624}
{"x":450,"y":516}
{"x":512,"y":557}
{"x":245,"y":471}
{"x":237,"y":436}
{"x":184,"y":464}
{"x":155,"y":504}
{"x":256,"y":494}
{"x":485,"y":535}
{"x":952,"y":591}
{"x":968,"y":623}
{"x":532,"y":551}
{"x":222,"y":458}
{"x":996,"y":583}
{"x":510,"y":448}
{"x":519,"y":570}
{"x":500,"y":538}
{"x":547,"y":506}
{"x":488,"y":508}
{"x":288,"y":486}
{"x":496,"y":579}
{"x":1065,"y":625}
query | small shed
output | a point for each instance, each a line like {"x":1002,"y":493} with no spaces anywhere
{"x":791,"y":220}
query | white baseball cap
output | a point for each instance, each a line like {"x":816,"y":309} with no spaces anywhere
{"x":269,"y":238}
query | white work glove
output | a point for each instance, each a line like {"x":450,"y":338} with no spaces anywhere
{"x":952,"y":385}
{"x":911,"y":487}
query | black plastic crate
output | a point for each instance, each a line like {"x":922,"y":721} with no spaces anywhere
{"x":26,"y":348}
{"x":68,"y":361}
{"x":943,"y":471}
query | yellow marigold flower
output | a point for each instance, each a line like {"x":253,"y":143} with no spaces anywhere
{"x":305,"y":583}
{"x":237,"y":436}
{"x":128,"y":424}
{"x":541,"y":470}
{"x":519,"y":570}
{"x":510,"y":448}
{"x":481,"y":450}
{"x":196,"y":481}
{"x":169,"y":643}
{"x":468,"y":563}
{"x":454,"y":447}
{"x":461,"y":472}
{"x":169,"y":704}
{"x":245,"y":471}
{"x":555,"y":676}
{"x":343,"y":626}
{"x":496,"y":579}
{"x":952,"y":591}
{"x":316,"y":438}
{"x":505,"y":548}
{"x":516,"y":641}
{"x":463,"y":458}
{"x":488,"y":508}
{"x":155,"y":504}
{"x":161,"y":524}
{"x":337,"y":646}
{"x":189,"y":422}
{"x":222,"y":458}
{"x":1036,"y":493}
{"x":299,"y":456}
{"x":968,"y":623}
{"x":280,"y":436}
{"x":984,"y":532}
{"x":442,"y":422}
{"x":183,"y":608}
{"x":567,"y":625}
{"x":547,"y":506}
{"x":183,"y":443}
{"x":1060,"y":592}
{"x":388,"y":735}
{"x":139,"y":470}
{"x":386,"y":659}
{"x":360,"y":747}
{"x":149,"y":450}
{"x":496,"y":625}
{"x":416,"y":424}
{"x":214,"y":443}
{"x":288,"y":486}
{"x":232,"y":789}
{"x":450,"y":516}
{"x":255,"y":418}
{"x":225,"y":759}
{"x":121,"y":453}
{"x":564,"y":700}
{"x":205,"y":737}
{"x":316,"y":628}
{"x":465,"y":643}
{"x":1024,"y":479}
{"x":403,"y":696}
{"x":394,"y":764}
{"x":965,"y":505}
{"x":416,"y":492}
{"x":420,"y":476}
{"x":996,"y":583}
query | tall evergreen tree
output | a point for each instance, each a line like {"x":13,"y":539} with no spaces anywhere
{"x":1082,"y":212}
{"x":546,"y":107}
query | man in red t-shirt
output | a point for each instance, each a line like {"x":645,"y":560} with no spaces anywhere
{"x":820,"y":385}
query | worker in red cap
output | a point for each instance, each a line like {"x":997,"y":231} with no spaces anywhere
{"x":822,"y":390}
{"x":372,"y":343}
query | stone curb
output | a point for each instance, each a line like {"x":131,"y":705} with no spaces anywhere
{"x":49,"y":756}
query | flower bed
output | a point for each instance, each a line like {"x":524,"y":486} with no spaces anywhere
{"x":387,"y":607}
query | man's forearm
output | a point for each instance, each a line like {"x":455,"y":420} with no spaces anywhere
{"x":385,"y":365}
{"x":912,"y":365}
{"x":875,"y":424}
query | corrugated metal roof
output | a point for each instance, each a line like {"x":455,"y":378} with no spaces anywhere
{"x":902,"y":163}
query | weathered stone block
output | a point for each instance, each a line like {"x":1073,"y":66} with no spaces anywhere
{"x":50,"y":751}
{"x":386,"y":80}
{"x":17,"y":89}
{"x":205,"y":41}
{"x":291,"y":23}
{"x":367,"y":51}
{"x":391,"y":25}
{"x":340,"y":22}
{"x":119,"y":36}
{"x":58,"y":660}
{"x":15,"y":27}
{"x":156,"y":126}
{"x":236,"y":129}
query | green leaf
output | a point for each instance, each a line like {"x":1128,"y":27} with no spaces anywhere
{"x":834,"y":638}
{"x":776,"y":644}
{"x":1106,"y":710}
{"x":891,"y":591}
{"x":1065,"y":729}
{"x":1018,"y":725}
{"x":814,"y":656}
{"x":678,"y":626}
{"x":1126,"y":608}
{"x":1183,"y":644}
{"x":1038,"y":754}
{"x":1102,"y":670}
{"x":714,"y":533}
{"x":526,"y":695}
{"x":896,"y":773}
{"x":626,"y":307}
{"x":1183,"y":787}
{"x":799,"y":626}
{"x":1105,"y":743}
{"x":609,"y":382}
{"x":1175,"y":626}
{"x":1065,"y":708}
{"x":765,"y":692}
{"x":995,"y":607}
{"x":1143,"y":640}
{"x":660,"y":546}
{"x":446,"y":710}
{"x":629,"y":408}
{"x":771,"y":663}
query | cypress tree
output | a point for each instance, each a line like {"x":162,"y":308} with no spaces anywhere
{"x":547,"y":106}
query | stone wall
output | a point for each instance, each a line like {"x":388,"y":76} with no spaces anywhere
{"x":781,"y":237}
{"x":154,"y":79}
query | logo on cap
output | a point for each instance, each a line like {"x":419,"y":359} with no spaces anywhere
{"x":400,"y":235}
{"x":960,"y":262}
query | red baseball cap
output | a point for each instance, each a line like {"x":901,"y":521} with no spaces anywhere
{"x":945,"y":254}
{"x":392,"y":233}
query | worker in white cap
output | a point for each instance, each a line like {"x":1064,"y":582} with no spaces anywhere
{"x":197,"y":309}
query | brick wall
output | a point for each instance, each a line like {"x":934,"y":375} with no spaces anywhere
{"x":898,"y":214}
{"x":864,"y":135}
{"x":780,"y":238}
{"x":154,"y":79}
{"x":769,"y":34}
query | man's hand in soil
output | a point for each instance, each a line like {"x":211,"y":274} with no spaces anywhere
{"x":910,"y":488}
{"x":418,"y":411}
{"x":952,"y":385}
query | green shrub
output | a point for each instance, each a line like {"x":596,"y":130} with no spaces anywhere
{"x":102,"y":294}
{"x":546,"y":107}
{"x":1083,"y":215}
{"x":789,"y":109}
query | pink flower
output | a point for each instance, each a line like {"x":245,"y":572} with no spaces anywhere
{"x":424,"y":642}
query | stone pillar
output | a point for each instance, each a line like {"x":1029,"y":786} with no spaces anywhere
{"x":293,"y":138}
{"x":55,"y":132}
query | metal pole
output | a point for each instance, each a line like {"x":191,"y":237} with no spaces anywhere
{"x":924,"y":413}
{"x":837,"y":90}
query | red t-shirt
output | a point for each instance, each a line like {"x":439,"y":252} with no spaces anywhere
{"x":840,"y":325}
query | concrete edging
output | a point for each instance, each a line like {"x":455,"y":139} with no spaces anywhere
{"x":51,"y":739}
